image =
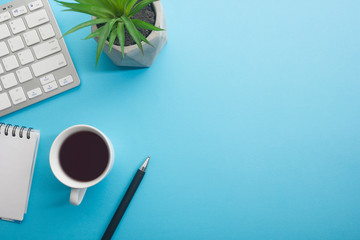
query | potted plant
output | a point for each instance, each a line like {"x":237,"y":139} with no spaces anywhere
{"x":120,"y":33}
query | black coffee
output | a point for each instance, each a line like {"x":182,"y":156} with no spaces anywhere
{"x":84,"y":156}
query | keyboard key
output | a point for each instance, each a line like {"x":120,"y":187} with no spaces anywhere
{"x":8,"y":80}
{"x":36,"y":18}
{"x":25,"y":57}
{"x":66,"y":80}
{"x":3,"y":49}
{"x":19,"y":11}
{"x":17,"y":95}
{"x":16,"y":43}
{"x":47,"y":48}
{"x":10,"y":63}
{"x":31,"y":37}
{"x":34,"y":93}
{"x":24,"y":74}
{"x":4,"y":16}
{"x":4,"y":31}
{"x":1,"y":71}
{"x":17,"y":26}
{"x":47,"y":65}
{"x":46,"y":32}
{"x":35,"y":5}
{"x":47,"y":79}
{"x":50,"y":87}
{"x":4,"y":101}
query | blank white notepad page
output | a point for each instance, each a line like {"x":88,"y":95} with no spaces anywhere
{"x":17,"y":160}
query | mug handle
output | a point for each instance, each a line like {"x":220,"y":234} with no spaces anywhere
{"x":77,"y":195}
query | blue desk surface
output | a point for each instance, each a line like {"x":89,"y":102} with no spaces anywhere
{"x":251,"y":115}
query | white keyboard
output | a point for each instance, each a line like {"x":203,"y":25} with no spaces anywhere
{"x":34,"y":61}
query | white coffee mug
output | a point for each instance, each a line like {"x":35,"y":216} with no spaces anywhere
{"x":78,"y":188}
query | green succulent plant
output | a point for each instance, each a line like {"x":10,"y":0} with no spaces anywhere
{"x":116,"y":15}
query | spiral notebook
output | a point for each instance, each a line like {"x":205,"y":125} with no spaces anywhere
{"x":18,"y":148}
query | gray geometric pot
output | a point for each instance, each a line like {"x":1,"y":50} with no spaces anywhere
{"x":133,"y":55}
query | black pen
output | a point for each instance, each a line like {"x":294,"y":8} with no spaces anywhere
{"x":126,"y":200}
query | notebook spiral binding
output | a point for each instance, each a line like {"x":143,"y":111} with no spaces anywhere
{"x":13,"y":132}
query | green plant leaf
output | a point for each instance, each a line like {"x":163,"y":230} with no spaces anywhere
{"x":94,"y":10}
{"x":95,"y":33}
{"x":125,"y":2}
{"x":143,"y":38}
{"x":121,"y":5}
{"x":130,"y":4}
{"x":121,"y":36}
{"x":116,"y":7}
{"x":112,"y":38}
{"x":102,"y":38}
{"x":88,"y":2}
{"x":140,"y":6}
{"x":133,"y":32}
{"x":105,"y":3}
{"x":145,"y":25}
{"x":95,"y":14}
{"x":86,"y":24}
